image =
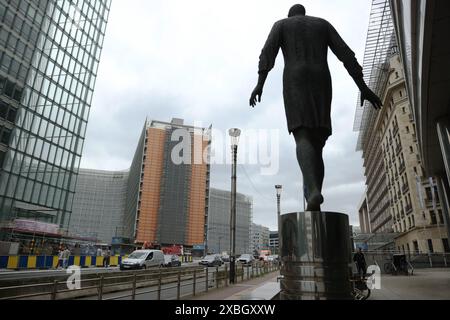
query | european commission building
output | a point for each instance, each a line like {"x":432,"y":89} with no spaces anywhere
{"x":49,"y":55}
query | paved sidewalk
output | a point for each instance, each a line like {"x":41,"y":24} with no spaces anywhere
{"x":425,"y":284}
{"x":239,"y":291}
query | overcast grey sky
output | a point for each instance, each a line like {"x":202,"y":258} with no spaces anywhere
{"x":198,"y":60}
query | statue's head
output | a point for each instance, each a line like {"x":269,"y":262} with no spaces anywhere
{"x":297,"y":10}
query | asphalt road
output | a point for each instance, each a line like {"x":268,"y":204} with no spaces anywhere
{"x":168,"y":291}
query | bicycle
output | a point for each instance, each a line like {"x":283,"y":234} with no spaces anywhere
{"x":360,"y":290}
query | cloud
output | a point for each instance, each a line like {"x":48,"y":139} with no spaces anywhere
{"x":197,"y":60}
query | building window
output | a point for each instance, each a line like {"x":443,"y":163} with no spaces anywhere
{"x":416,"y":246}
{"x":433,"y":217}
{"x":446,"y":245}
{"x":5,"y":134}
{"x":441,"y":217}
{"x":430,"y":246}
{"x":2,"y":158}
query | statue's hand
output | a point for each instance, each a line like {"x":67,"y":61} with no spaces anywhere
{"x":256,"y":96}
{"x":369,"y":95}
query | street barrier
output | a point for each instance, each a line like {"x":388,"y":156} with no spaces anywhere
{"x":24,"y":262}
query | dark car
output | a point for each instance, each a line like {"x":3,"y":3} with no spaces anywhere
{"x":212,"y":260}
{"x":171,"y":260}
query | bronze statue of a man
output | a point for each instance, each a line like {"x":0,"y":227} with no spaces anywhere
{"x":304,"y":41}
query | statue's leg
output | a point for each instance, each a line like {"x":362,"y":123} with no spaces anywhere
{"x":320,"y":135}
{"x":309,"y":156}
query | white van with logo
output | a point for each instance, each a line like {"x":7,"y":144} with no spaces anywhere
{"x":143,"y":259}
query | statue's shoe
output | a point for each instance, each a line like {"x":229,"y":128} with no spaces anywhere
{"x":314,"y":202}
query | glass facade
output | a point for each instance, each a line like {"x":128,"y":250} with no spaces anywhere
{"x":49,"y":56}
{"x":219,"y":222}
{"x":99,"y":205}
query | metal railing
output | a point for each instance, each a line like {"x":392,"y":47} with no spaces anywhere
{"x":414,"y":260}
{"x":157,"y":284}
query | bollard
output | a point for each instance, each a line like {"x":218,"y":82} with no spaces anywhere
{"x":217,"y":277}
{"x":133,"y":292}
{"x":178,"y":285}
{"x":206,"y":277}
{"x":55,"y":289}
{"x":242,"y":276}
{"x":193,"y":284}
{"x":159,"y":286}
{"x":248,"y":272}
{"x":253,"y":271}
{"x":100,"y":288}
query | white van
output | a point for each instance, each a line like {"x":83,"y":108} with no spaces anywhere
{"x":143,"y":259}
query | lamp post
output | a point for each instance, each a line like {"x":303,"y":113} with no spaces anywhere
{"x":234,"y":134}
{"x":279,"y":188}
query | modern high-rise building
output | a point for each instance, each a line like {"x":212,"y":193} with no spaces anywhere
{"x":169,"y":185}
{"x":259,"y":236}
{"x":274,"y":242}
{"x":363,"y":213}
{"x":399,"y":197}
{"x":49,"y":56}
{"x":162,"y":199}
{"x":99,"y":204}
{"x":219,"y":222}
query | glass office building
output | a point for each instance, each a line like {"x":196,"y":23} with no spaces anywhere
{"x":49,"y":56}
{"x":99,"y":204}
{"x":219,"y":222}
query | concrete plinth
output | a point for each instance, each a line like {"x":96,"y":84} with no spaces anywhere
{"x":316,"y":256}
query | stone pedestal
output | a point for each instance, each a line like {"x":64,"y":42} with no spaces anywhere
{"x":316,"y":256}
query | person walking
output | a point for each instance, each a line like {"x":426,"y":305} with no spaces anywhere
{"x":60,"y":258}
{"x":106,"y":257}
{"x":66,"y":256}
{"x":360,"y":261}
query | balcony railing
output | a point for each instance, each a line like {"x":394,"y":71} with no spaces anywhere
{"x":408,"y":209}
{"x":398,"y":148}
{"x":405,"y":188}
{"x":402,"y":168}
{"x":395,"y":130}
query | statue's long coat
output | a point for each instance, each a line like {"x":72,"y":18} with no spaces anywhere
{"x":304,"y":41}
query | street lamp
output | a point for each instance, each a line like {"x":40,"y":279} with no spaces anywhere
{"x":279,"y":188}
{"x":234,"y":134}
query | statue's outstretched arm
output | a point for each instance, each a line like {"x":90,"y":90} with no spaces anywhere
{"x":267,"y":61}
{"x":347,"y":56}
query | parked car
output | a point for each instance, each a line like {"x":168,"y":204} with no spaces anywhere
{"x":246,"y":259}
{"x":212,"y":260}
{"x":225,"y":258}
{"x":171,"y":260}
{"x":143,"y":259}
